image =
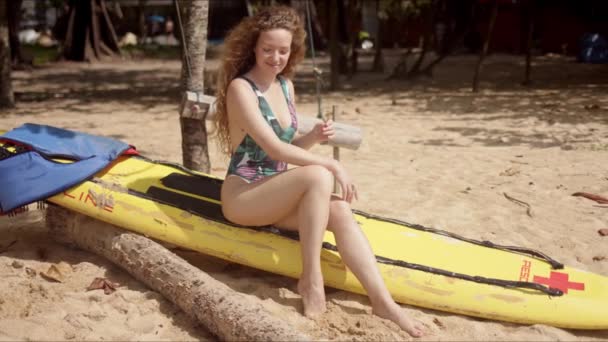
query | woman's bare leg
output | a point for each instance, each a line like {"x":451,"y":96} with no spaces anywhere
{"x":305,"y":192}
{"x":359,"y":258}
{"x":299,"y":200}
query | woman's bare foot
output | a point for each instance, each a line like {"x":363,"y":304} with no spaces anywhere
{"x":313,"y":298}
{"x":396,"y":314}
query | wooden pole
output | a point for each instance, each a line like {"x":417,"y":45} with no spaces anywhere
{"x":334,"y":109}
{"x":486,"y":44}
{"x":228,"y":314}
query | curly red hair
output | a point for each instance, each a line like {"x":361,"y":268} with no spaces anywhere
{"x":239,"y":57}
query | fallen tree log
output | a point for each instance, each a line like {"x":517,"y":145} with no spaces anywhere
{"x":228,"y":314}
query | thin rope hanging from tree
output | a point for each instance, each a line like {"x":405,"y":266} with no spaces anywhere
{"x":181,"y":31}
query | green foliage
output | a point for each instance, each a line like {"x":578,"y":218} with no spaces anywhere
{"x":151,"y":51}
{"x":55,"y":3}
{"x":400,"y":9}
{"x":40,"y":55}
{"x":43,"y":55}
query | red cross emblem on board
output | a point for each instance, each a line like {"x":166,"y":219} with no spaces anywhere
{"x":559,"y":281}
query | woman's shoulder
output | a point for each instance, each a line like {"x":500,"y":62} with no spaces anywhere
{"x":240,"y":90}
{"x":238,"y":83}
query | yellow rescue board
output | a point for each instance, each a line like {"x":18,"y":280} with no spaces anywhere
{"x":166,"y":203}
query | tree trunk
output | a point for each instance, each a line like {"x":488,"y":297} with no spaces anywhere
{"x":462,"y":21}
{"x":194,"y":132}
{"x":486,"y":44}
{"x":529,"y":18}
{"x":96,"y":35}
{"x":334,"y":45}
{"x":378,"y":65}
{"x":7,"y":99}
{"x":228,"y":314}
{"x":90,"y":34}
{"x":141,"y":18}
{"x":108,"y":35}
{"x":400,"y":70}
{"x":450,"y":45}
{"x":353,"y":11}
{"x":431,"y":18}
{"x":13,"y":10}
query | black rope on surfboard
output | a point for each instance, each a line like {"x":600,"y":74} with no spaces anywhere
{"x":478,"y":279}
{"x":554,"y":263}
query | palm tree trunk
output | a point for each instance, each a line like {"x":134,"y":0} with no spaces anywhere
{"x":13,"y":11}
{"x":195,"y":149}
{"x":7,"y":99}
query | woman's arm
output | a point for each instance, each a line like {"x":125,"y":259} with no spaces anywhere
{"x":321,"y":132}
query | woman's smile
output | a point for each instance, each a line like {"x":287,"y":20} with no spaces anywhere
{"x":274,"y":48}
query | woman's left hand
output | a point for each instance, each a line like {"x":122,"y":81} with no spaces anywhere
{"x":323,"y":131}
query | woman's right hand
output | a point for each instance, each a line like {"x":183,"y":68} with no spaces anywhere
{"x":349,"y":192}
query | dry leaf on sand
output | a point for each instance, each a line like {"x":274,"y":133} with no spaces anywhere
{"x":57,"y":272}
{"x":103,"y":283}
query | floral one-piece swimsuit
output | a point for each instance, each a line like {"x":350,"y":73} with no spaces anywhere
{"x":248,"y":160}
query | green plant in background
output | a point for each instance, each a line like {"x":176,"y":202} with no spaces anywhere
{"x":41,"y":55}
{"x":152,"y":51}
{"x":402,"y":9}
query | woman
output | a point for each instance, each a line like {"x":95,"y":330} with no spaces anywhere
{"x":257,"y":124}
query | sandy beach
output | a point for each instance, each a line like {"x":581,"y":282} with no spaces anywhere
{"x":433,"y":153}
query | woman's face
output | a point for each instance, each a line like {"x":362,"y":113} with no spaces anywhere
{"x":272,"y":50}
